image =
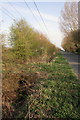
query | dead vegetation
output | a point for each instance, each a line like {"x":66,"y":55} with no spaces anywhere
{"x":15,"y":88}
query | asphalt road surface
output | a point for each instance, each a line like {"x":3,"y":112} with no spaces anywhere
{"x":74,"y":61}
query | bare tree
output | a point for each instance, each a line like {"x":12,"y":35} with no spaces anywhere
{"x":69,"y":18}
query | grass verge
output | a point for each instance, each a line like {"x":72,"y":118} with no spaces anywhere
{"x":56,"y":93}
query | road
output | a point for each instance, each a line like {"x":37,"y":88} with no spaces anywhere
{"x":74,"y":61}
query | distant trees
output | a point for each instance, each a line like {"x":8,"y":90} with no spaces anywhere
{"x":69,"y":26}
{"x":71,"y":42}
{"x":28,"y":43}
{"x":68,"y":44}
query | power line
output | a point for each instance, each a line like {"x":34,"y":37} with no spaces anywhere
{"x":8,"y":12}
{"x":41,"y":16}
{"x":8,"y":15}
{"x":14,"y":8}
{"x":29,"y":32}
{"x":13,"y":19}
{"x":32,"y":12}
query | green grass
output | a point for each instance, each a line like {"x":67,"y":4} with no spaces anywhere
{"x":56,"y":91}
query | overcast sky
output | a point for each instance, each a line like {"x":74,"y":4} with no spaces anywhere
{"x":50,"y":12}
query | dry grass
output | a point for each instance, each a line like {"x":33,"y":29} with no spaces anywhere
{"x":15,"y":87}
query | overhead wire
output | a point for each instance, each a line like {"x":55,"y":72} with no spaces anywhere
{"x":41,"y":16}
{"x":8,"y":14}
{"x":32,"y":13}
{"x":14,"y":8}
{"x":29,"y":32}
